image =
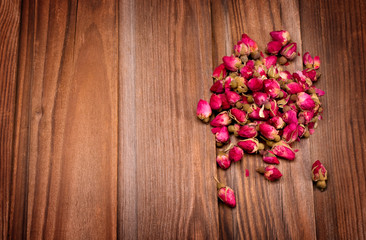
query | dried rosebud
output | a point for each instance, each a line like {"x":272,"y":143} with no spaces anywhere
{"x":308,"y":60}
{"x":304,"y":101}
{"x":248,"y":131}
{"x":225,"y":103}
{"x":218,"y":87}
{"x":221,"y":134}
{"x":203,"y":110}
{"x":255,"y":84}
{"x":234,"y":128}
{"x":319,"y":174}
{"x":246,"y":72}
{"x":249,"y":42}
{"x":290,"y":116}
{"x":274,"y":47}
{"x":259,"y":113}
{"x":269,"y":132}
{"x":311,"y":74}
{"x":305,"y":117}
{"x":236,"y":154}
{"x":260,"y":72}
{"x":232,"y":97}
{"x":222,"y":119}
{"x":290,"y":133}
{"x":282,"y":36}
{"x":219,"y":72}
{"x":271,"y":173}
{"x":273,"y":72}
{"x":238,"y":115}
{"x":294,"y":87}
{"x":272,"y":87}
{"x":215,"y":102}
{"x":301,"y":130}
{"x":285,"y":75}
{"x":316,"y":62}
{"x":270,"y":61}
{"x":225,"y":194}
{"x":241,"y":49}
{"x":270,"y":158}
{"x":231,"y":63}
{"x":283,"y":150}
{"x":289,"y":51}
{"x":223,"y":160}
{"x":260,"y":98}
{"x":319,"y":92}
{"x":277,"y":122}
{"x":250,"y":145}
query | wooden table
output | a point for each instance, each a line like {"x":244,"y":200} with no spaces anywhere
{"x":99,"y":138}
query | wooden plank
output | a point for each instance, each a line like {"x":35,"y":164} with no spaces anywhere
{"x":167,"y":167}
{"x":335,"y":30}
{"x":281,"y":210}
{"x":9,"y":32}
{"x":65,"y":160}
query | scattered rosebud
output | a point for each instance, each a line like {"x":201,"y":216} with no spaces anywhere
{"x":274,"y":47}
{"x":308,"y":60}
{"x":250,"y":145}
{"x":269,"y":157}
{"x":204,"y":111}
{"x":304,"y":101}
{"x":248,"y":131}
{"x":269,"y":132}
{"x":283,"y":150}
{"x":319,"y":175}
{"x":231,"y":63}
{"x":282,"y":36}
{"x":226,"y":194}
{"x":238,"y":115}
{"x":215,"y":102}
{"x":289,"y":51}
{"x":222,"y":119}
{"x":236,"y":154}
{"x":221,"y":134}
{"x":290,"y":133}
{"x":219,"y":72}
{"x":271,"y":173}
{"x":223,"y":160}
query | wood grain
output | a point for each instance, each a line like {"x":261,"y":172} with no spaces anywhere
{"x":166,"y":185}
{"x":265,"y":210}
{"x":9,"y":40}
{"x":65,"y":162}
{"x":336,"y":31}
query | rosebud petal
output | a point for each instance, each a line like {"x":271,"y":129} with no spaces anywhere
{"x":289,"y":51}
{"x":308,"y":60}
{"x":283,"y":150}
{"x":215,"y":102}
{"x":316,"y":62}
{"x":231,"y":63}
{"x":268,"y":131}
{"x":238,"y":115}
{"x":255,"y":84}
{"x":319,"y":92}
{"x":222,"y":119}
{"x":236,"y":154}
{"x":218,"y":87}
{"x":282,"y":36}
{"x":250,"y":145}
{"x":223,"y":161}
{"x":248,"y":131}
{"x":203,"y":110}
{"x":304,"y":101}
{"x":274,"y":47}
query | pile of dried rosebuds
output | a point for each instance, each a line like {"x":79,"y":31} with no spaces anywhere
{"x":266,"y":107}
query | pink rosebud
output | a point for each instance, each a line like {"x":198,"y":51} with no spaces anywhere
{"x":248,"y":131}
{"x":231,"y":63}
{"x":241,"y":49}
{"x":260,"y":71}
{"x":203,"y":110}
{"x":269,"y":132}
{"x":290,"y":133}
{"x":273,"y":108}
{"x":250,"y":145}
{"x":269,"y":157}
{"x":277,"y":122}
{"x":316,"y":62}
{"x":289,"y":51}
{"x":238,"y":115}
{"x":221,"y":134}
{"x":319,"y":174}
{"x":305,"y":116}
{"x":274,"y":47}
{"x":271,"y":173}
{"x":219,"y":72}
{"x":282,"y":36}
{"x":290,"y":117}
{"x":222,"y":160}
{"x":285,"y":75}
{"x":301,"y":130}
{"x":215,"y":102}
{"x":270,"y":61}
{"x":225,"y":194}
{"x":308,"y":60}
{"x":311,"y":74}
{"x":294,"y":87}
{"x":234,"y":128}
{"x":272,"y":87}
{"x":250,"y":64}
{"x":227,"y":86}
{"x":218,"y":87}
{"x":319,"y":92}
{"x":283,"y":150}
{"x":232,"y":97}
{"x":249,"y":42}
{"x":225,"y":103}
{"x":259,"y":114}
{"x":236,"y":154}
{"x":260,"y":98}
{"x":222,"y":119}
{"x":255,"y":84}
{"x":304,"y":101}
{"x":246,"y":72}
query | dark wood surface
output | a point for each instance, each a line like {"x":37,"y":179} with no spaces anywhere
{"x":99,"y":138}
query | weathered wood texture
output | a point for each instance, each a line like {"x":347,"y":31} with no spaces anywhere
{"x":9,"y":39}
{"x":99,"y":138}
